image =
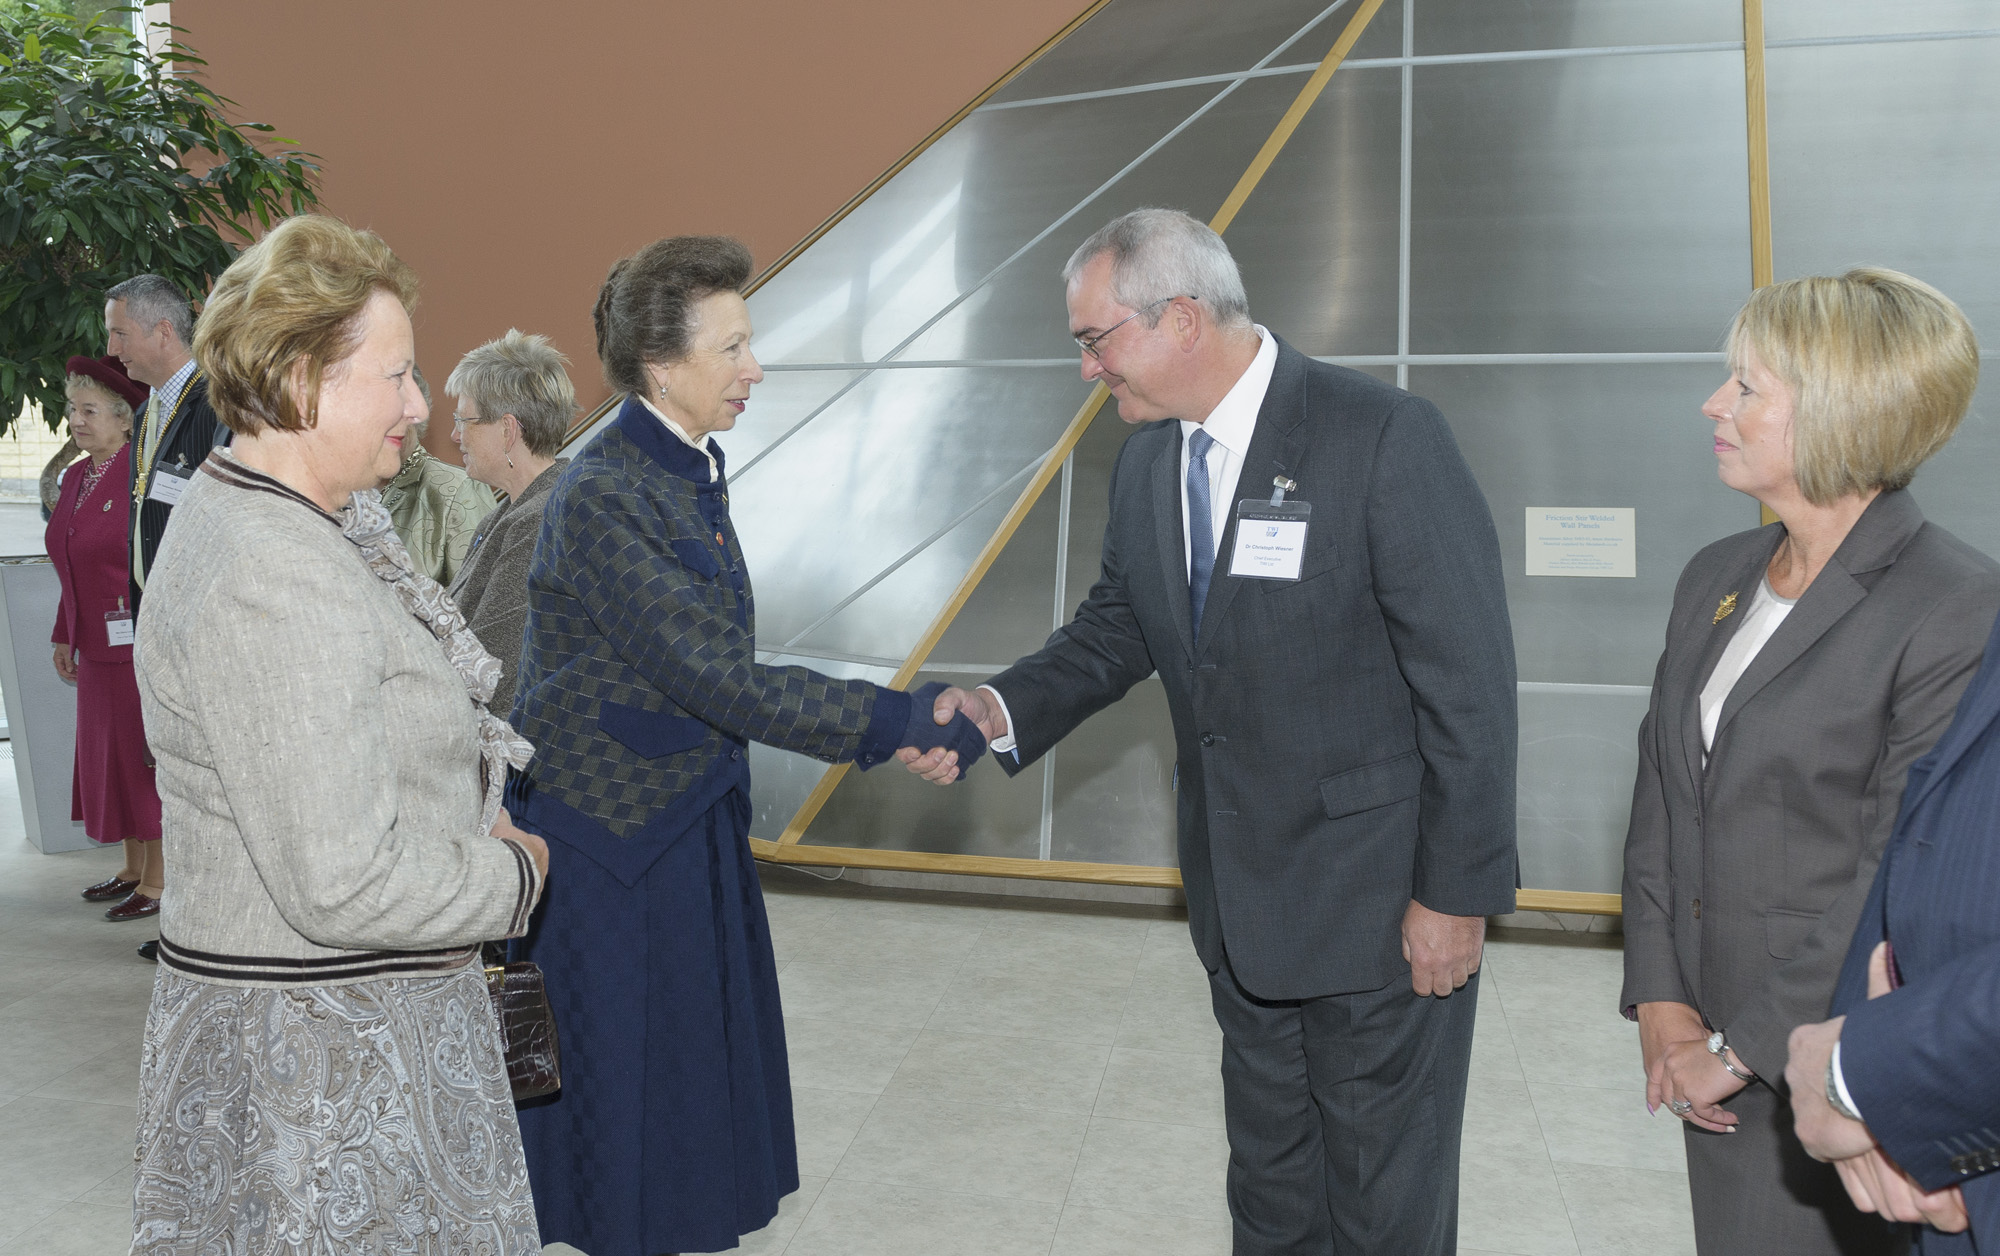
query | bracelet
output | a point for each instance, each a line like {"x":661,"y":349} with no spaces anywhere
{"x":1833,"y":1096}
{"x":1718,"y":1046}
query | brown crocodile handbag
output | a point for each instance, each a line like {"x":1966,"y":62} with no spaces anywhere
{"x":527,"y":1029}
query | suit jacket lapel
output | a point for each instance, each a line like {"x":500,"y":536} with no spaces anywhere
{"x":1877,"y":537}
{"x":1275,"y":445}
{"x":1167,"y":528}
{"x":183,"y":406}
{"x":1743,"y":583}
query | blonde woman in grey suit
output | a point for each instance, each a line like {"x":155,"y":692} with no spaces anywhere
{"x":321,"y":1069}
{"x":1808,"y":663}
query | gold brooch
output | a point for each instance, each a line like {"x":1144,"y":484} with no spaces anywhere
{"x":1723,"y":609}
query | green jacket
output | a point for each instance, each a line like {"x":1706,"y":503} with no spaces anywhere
{"x":436,"y":507}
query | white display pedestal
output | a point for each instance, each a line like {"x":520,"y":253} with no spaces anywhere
{"x":41,"y":707}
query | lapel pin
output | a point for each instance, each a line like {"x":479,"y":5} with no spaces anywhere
{"x":1723,"y":609}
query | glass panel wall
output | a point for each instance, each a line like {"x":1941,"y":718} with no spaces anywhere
{"x":1534,"y":213}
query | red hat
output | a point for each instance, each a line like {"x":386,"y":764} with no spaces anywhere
{"x":110,"y":372}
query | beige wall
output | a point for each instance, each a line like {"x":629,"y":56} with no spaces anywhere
{"x":512,"y":151}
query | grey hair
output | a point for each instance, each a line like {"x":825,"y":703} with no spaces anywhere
{"x":1159,"y":254}
{"x":119,"y":406}
{"x":521,"y":375}
{"x":151,"y":298}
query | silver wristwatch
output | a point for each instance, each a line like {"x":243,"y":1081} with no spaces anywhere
{"x":1834,"y":1098}
{"x":1718,"y":1046}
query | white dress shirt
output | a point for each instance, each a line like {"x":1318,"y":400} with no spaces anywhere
{"x":1230,"y":425}
{"x":706,"y":444}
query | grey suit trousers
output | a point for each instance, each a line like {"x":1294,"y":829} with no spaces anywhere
{"x":1344,"y":1115}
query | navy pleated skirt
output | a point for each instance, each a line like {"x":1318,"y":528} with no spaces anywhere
{"x":673,"y":1129}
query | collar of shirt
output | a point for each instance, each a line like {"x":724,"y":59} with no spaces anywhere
{"x":703,"y":445}
{"x":170,"y":392}
{"x":1234,"y":418}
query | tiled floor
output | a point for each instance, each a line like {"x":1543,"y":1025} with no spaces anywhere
{"x":970,"y":1077}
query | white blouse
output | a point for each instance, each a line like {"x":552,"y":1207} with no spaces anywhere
{"x":1767,"y":611}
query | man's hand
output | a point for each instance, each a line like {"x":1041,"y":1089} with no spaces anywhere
{"x":66,"y":663}
{"x":1874,"y":1182}
{"x":1443,"y":950}
{"x":1826,"y":1133}
{"x":1878,"y":1184}
{"x":940,"y":765}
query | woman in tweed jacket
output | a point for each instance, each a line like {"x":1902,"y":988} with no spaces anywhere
{"x":641,"y":691}
{"x":321,"y":1068}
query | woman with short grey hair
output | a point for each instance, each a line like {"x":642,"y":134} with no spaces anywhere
{"x":515,"y":405}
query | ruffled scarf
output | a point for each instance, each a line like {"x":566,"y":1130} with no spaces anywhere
{"x":365,"y":522}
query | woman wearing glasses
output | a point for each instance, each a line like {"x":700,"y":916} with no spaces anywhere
{"x":515,"y":405}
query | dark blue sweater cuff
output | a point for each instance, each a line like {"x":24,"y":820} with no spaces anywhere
{"x":884,"y":734}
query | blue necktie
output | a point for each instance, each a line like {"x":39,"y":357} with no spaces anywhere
{"x":1201,"y":525}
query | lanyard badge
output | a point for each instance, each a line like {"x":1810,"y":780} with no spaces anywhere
{"x":1271,"y":535}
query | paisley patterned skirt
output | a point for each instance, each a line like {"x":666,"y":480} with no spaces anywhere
{"x":369,"y":1118}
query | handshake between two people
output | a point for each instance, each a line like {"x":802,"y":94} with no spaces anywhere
{"x":949,"y":729}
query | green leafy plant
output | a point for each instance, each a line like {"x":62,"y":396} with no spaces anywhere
{"x":114,"y":162}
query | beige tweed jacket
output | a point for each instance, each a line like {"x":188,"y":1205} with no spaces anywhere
{"x":318,"y":756}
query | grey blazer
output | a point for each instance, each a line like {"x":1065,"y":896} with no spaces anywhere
{"x":492,"y":589}
{"x":1743,"y":881}
{"x":318,"y":756}
{"x":1345,"y":741}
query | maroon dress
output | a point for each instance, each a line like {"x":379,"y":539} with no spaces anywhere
{"x":90,"y":543}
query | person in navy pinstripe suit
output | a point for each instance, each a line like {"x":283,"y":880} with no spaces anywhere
{"x":1917,"y":1058}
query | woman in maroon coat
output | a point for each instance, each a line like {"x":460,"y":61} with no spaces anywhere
{"x":89,"y":540}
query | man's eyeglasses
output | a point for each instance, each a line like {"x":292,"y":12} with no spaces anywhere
{"x":1089,"y":343}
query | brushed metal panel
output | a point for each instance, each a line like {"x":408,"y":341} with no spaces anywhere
{"x":1805,"y":19}
{"x":1013,"y":610}
{"x":1630,"y":435}
{"x":1021,"y":314}
{"x":1448,"y":26}
{"x":929,"y":234}
{"x":1132,"y":42}
{"x":888,"y":809}
{"x":1317,"y":240}
{"x":1955,"y":488}
{"x":1591,"y":205}
{"x":1114,"y":799}
{"x":1889,"y":154}
{"x":879,"y":473}
{"x":1579,"y":751}
{"x":775,"y":407}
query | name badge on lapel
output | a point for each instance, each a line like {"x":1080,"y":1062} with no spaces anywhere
{"x":1271,"y":535}
{"x":169,"y":484}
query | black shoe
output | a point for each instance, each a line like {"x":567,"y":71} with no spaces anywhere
{"x":150,"y":950}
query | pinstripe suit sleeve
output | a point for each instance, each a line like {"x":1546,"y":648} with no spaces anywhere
{"x":1085,"y":666}
{"x":643,"y":600}
{"x":1436,"y":563}
{"x":1919,"y":1063}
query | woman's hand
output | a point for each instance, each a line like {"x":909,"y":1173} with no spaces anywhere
{"x":66,"y":663}
{"x":1679,"y":1068}
{"x":538,"y":850}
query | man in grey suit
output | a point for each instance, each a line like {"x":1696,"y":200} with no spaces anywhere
{"x":1345,"y":730}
